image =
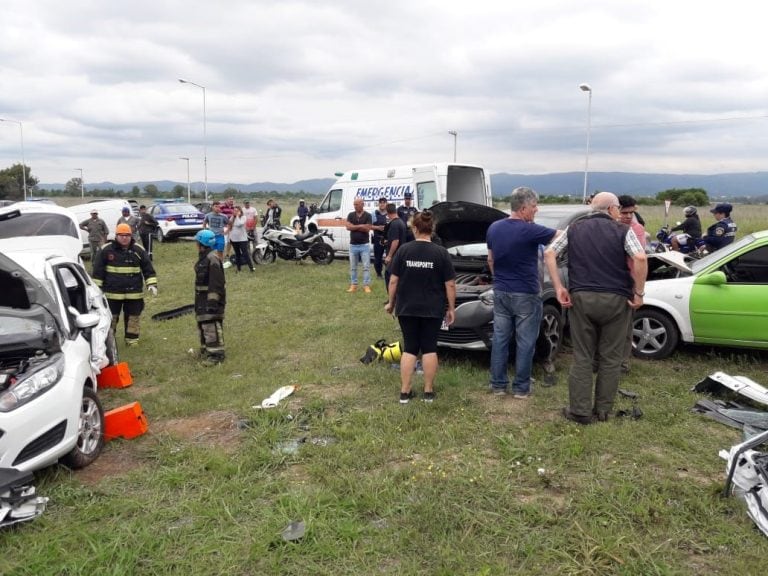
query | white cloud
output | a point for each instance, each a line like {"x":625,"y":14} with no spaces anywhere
{"x":302,"y":89}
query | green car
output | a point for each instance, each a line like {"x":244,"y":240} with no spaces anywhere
{"x":720,"y":299}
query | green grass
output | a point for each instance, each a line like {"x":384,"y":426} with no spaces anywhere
{"x":448,"y":488}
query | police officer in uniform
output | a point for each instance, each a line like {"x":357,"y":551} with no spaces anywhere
{"x":122,"y":268}
{"x":722,"y":232}
{"x":210,"y":299}
{"x":378,"y":239}
{"x":406,"y":212}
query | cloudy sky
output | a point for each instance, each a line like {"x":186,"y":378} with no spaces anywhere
{"x":302,"y":89}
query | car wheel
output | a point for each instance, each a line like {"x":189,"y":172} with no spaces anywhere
{"x":268,"y":257}
{"x":654,"y":334}
{"x":321,"y":253}
{"x":112,"y":356}
{"x":159,"y":236}
{"x":90,"y":436}
{"x":550,"y":334}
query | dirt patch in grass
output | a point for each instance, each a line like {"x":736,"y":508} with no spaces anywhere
{"x":117,"y":459}
{"x":217,"y":429}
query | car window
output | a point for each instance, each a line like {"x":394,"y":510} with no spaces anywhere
{"x":332,"y":202}
{"x":180,"y":208}
{"x":15,"y":224}
{"x":72,"y":288}
{"x":749,"y":268}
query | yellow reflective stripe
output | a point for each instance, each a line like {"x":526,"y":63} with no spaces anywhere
{"x":123,"y":269}
{"x":151,"y":281}
{"x":98,"y":281}
{"x":129,"y":296}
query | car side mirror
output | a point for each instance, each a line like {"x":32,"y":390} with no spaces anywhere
{"x":83,"y":321}
{"x":712,"y":279}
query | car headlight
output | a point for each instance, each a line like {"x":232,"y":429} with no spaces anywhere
{"x":486,"y":298}
{"x":33,"y":383}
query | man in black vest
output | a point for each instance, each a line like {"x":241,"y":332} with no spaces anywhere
{"x":602,"y":294}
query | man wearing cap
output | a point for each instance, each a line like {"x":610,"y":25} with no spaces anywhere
{"x":122,"y":269}
{"x":131,"y":220}
{"x":406,"y":211}
{"x":97,"y":233}
{"x":379,"y":236}
{"x":722,"y":232}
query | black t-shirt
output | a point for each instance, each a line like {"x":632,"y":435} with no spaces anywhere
{"x":356,"y":236}
{"x":395,"y":231}
{"x":422,"y":269}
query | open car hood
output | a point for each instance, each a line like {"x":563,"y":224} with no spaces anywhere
{"x":675,"y":259}
{"x":460,"y":223}
{"x":20,"y":287}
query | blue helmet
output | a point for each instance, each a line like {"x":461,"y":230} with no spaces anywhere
{"x":206,"y":238}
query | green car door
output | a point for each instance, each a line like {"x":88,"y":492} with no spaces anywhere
{"x":729,"y":306}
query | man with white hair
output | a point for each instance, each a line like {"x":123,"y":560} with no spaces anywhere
{"x":602,"y":293}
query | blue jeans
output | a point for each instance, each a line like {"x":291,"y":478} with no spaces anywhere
{"x":357,"y":253}
{"x":519,"y":315}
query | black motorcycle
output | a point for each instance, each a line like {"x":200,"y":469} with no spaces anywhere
{"x":284,"y":243}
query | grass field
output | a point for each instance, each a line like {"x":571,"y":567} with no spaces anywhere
{"x":472,"y":484}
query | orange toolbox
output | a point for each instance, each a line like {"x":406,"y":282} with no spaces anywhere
{"x":117,"y":376}
{"x":126,"y":422}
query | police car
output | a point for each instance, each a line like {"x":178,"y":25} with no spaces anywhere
{"x":720,"y":299}
{"x":176,"y":219}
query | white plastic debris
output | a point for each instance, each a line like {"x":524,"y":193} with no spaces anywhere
{"x":541,"y":471}
{"x":276,"y":397}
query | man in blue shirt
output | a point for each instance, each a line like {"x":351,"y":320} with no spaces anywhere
{"x":217,"y":223}
{"x":513,"y":258}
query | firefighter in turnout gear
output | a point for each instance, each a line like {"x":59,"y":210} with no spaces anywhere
{"x":122,"y":269}
{"x":210,"y":299}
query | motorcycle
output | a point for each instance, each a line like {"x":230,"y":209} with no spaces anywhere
{"x":695,"y":249}
{"x":283,"y":242}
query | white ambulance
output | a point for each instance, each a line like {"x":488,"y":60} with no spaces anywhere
{"x":427,"y":183}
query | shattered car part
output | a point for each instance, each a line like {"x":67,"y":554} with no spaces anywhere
{"x":732,"y":414}
{"x":720,"y":382}
{"x":748,"y":478}
{"x":18,"y":502}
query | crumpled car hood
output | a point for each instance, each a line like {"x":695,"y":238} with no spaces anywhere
{"x":459,"y":223}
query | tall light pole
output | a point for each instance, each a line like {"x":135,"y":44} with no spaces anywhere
{"x":23,"y":163}
{"x":82,"y":186}
{"x":455,"y":137}
{"x":189,"y":193}
{"x":587,"y":88}
{"x":205,"y":138}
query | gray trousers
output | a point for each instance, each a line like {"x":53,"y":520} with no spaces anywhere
{"x":599,"y":323}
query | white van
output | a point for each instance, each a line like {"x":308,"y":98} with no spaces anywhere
{"x":109,"y":210}
{"x":428,"y":183}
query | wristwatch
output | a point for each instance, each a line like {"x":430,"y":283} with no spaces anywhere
{"x":641,"y":294}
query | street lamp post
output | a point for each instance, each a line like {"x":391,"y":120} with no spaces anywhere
{"x":189,"y":193}
{"x":587,"y":88}
{"x":205,"y":138}
{"x":82,"y":186}
{"x":455,"y":137}
{"x":23,"y":163}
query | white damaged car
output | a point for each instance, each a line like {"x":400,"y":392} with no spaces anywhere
{"x":54,"y":339}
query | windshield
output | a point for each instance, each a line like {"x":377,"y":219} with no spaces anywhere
{"x":180,"y":208}
{"x":717,"y":255}
{"x":15,"y":224}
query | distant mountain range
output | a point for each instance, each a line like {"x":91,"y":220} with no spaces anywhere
{"x":744,"y":184}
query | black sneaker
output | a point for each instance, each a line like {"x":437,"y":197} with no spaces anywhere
{"x":428,"y":397}
{"x":405,"y":397}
